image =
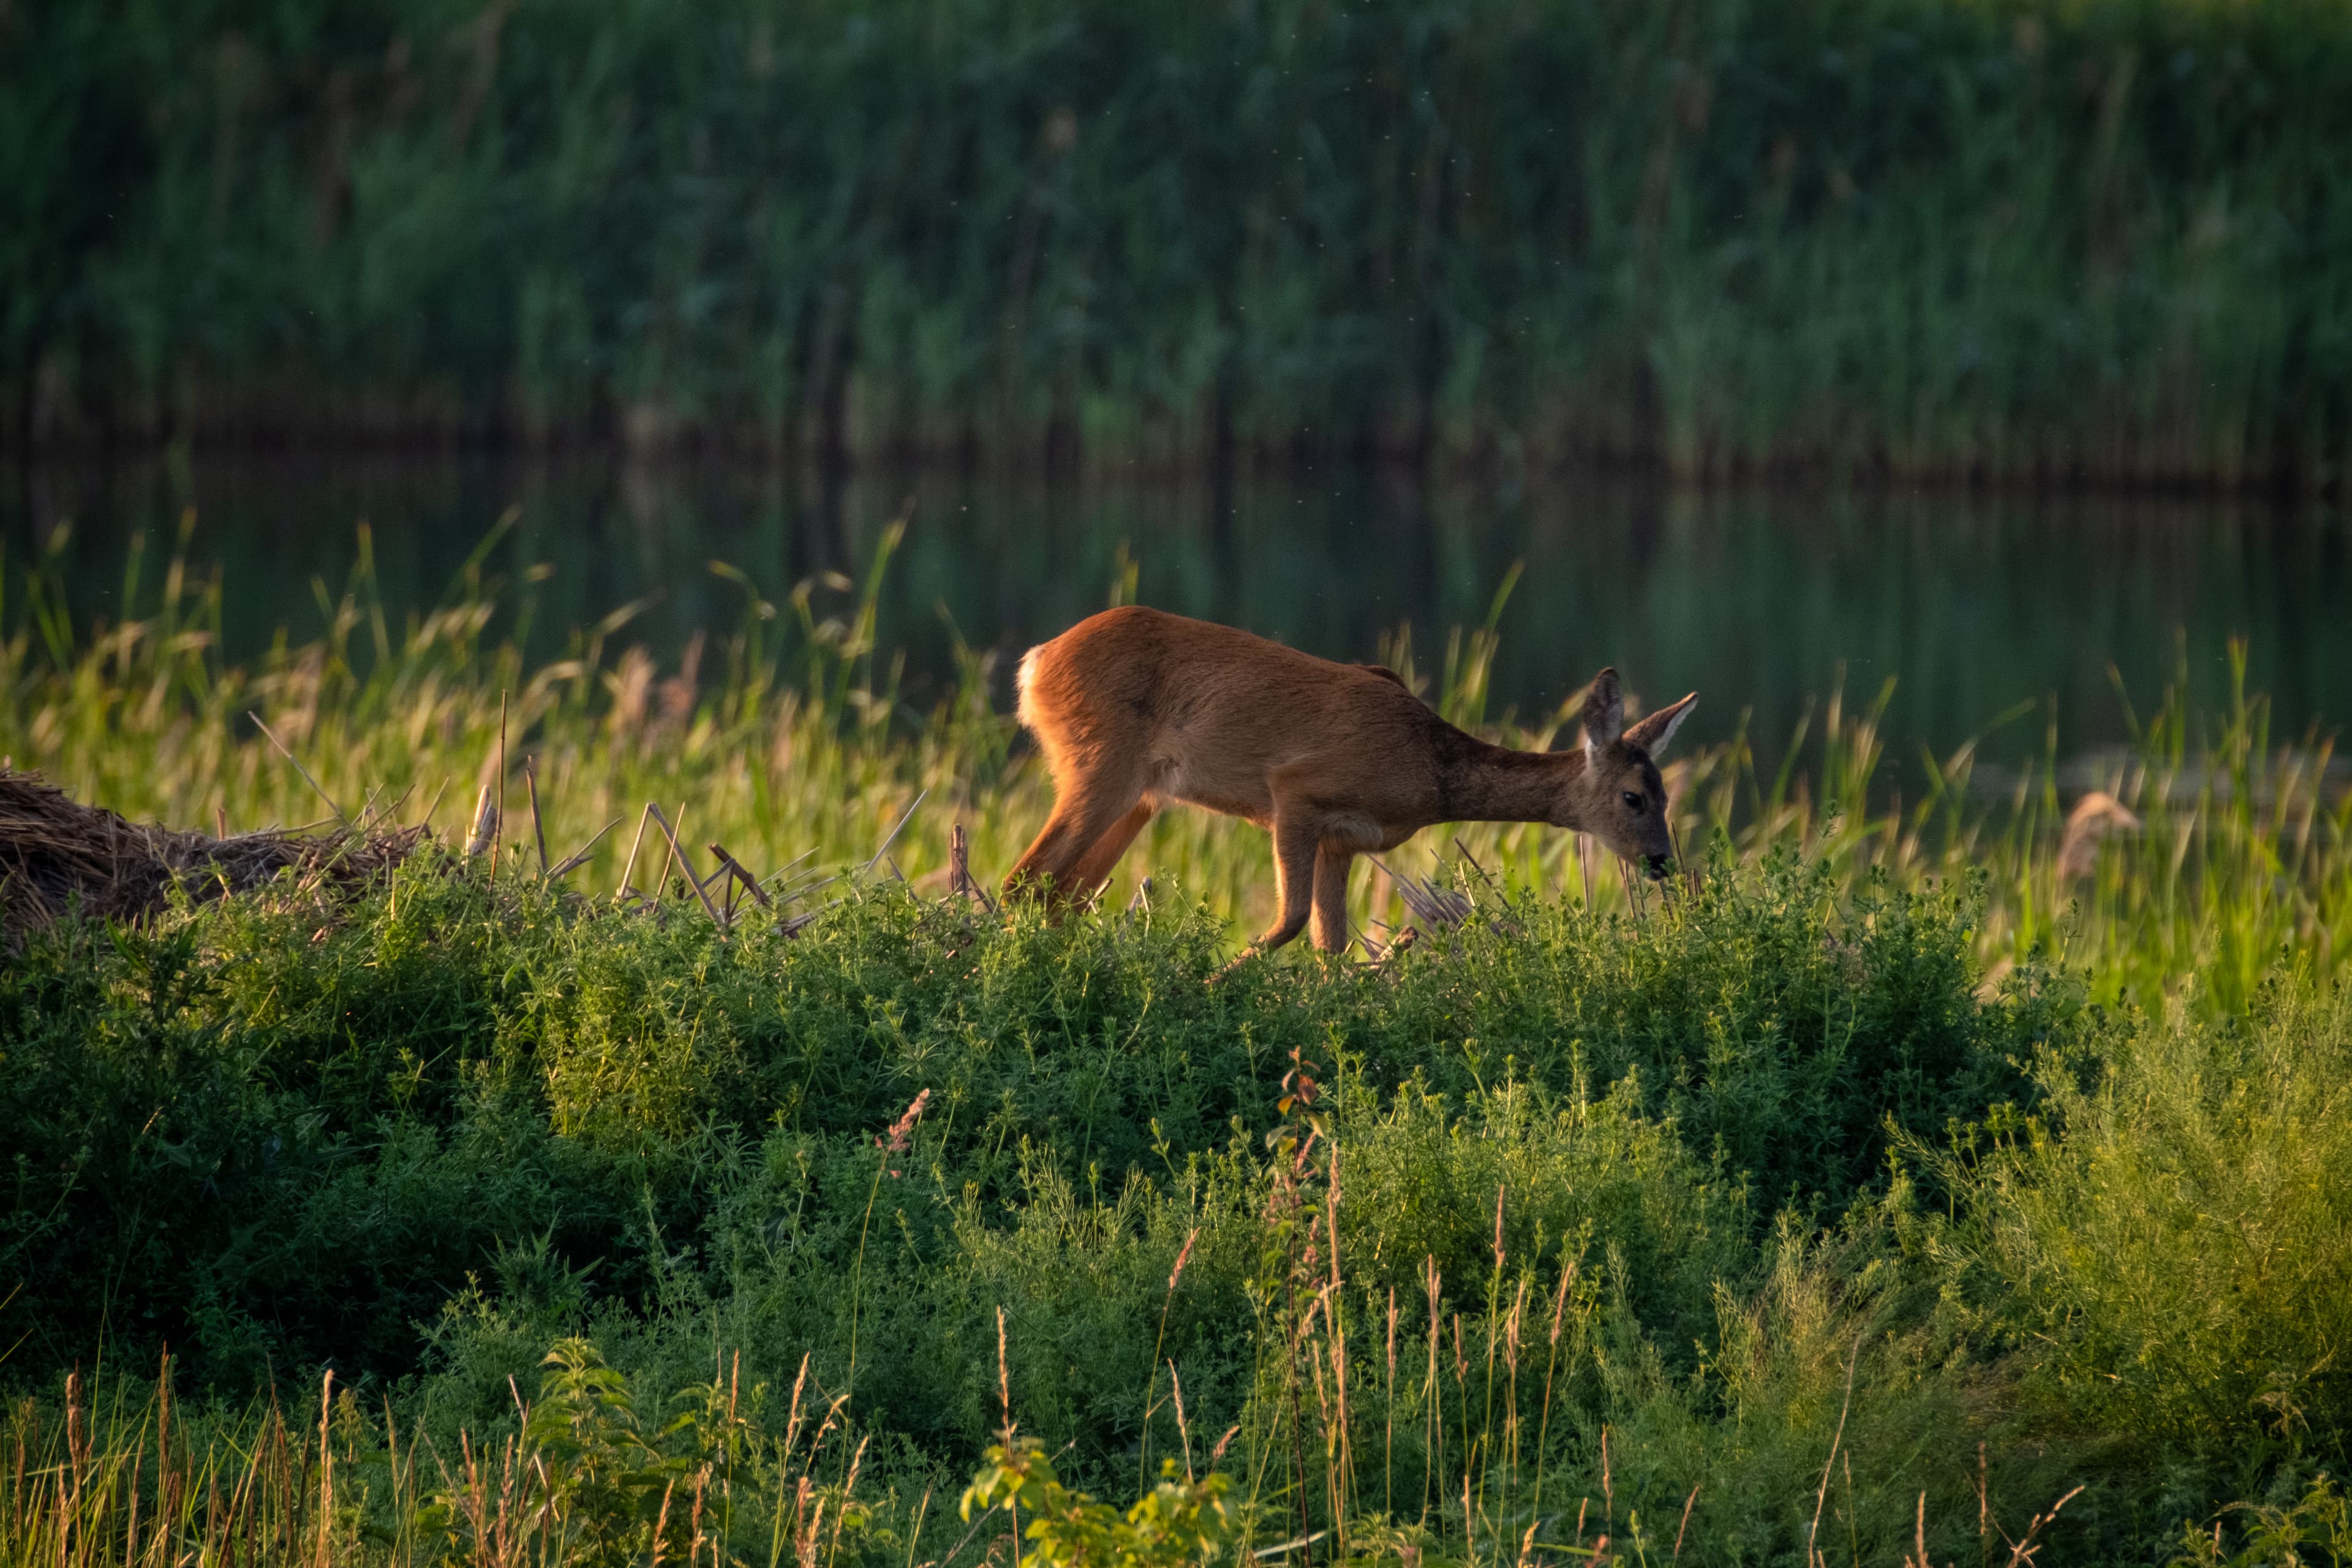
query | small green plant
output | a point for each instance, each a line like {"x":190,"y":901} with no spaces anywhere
{"x":1181,"y":1522}
{"x":2168,"y":1227}
{"x":601,"y":1491}
{"x":2310,"y":1531}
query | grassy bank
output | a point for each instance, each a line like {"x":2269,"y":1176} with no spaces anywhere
{"x":2048,"y":243}
{"x":1916,"y":1165}
{"x":1548,"y":1226}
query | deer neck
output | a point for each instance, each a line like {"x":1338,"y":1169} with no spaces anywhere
{"x":1483,"y":782}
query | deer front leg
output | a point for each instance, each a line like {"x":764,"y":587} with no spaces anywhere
{"x":1332,"y":863}
{"x":1294,"y":880}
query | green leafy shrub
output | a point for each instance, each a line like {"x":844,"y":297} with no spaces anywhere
{"x":1566,"y":1262}
{"x":277,"y":1137}
{"x":1178,"y":1522}
{"x":2315,"y":1526}
{"x":1782,"y":1028}
{"x":603,"y":1486}
{"x":2174,"y":1231}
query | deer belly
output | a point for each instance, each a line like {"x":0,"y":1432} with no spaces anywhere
{"x":1232,"y":792}
{"x":1354,"y":830}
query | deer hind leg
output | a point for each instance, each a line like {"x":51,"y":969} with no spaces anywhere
{"x":1095,"y":865}
{"x":1085,"y":811}
{"x":1332,"y":862}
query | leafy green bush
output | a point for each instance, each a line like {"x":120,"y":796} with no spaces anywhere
{"x":1177,"y":1523}
{"x":1782,"y":1028}
{"x":604,"y":1484}
{"x":270,"y":1136}
{"x":1532,"y":1243}
{"x":2173,"y":1228}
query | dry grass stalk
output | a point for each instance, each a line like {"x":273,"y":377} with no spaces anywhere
{"x":572,"y":862}
{"x":963,"y":885}
{"x":1431,"y":904}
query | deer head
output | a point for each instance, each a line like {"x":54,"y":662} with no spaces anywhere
{"x":1619,"y":798}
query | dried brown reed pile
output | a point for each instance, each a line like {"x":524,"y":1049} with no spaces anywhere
{"x":56,"y":852}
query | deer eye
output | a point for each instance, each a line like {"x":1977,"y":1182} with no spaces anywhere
{"x":1633,"y":801}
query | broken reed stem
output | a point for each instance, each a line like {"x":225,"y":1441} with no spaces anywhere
{"x":962,"y":882}
{"x":905,"y":818}
{"x":434,"y":804}
{"x":629,"y":869}
{"x":685,"y":867}
{"x":574,"y":861}
{"x":538,"y":827}
{"x":499,"y":822}
{"x":485,"y":830}
{"x":299,"y":768}
{"x":728,"y":863}
{"x":392,"y":812}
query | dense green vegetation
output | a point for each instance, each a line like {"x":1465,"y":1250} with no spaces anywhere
{"x":460,"y":1074}
{"x":1703,"y":1166}
{"x":1907,"y":1150}
{"x":2037,"y":241}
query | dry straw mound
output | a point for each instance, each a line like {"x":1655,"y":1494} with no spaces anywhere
{"x":56,"y":852}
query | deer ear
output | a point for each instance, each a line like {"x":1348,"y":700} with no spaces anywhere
{"x":1604,"y":711}
{"x":1655,"y":730}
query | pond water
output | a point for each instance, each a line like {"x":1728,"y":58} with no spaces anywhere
{"x":1760,"y":602}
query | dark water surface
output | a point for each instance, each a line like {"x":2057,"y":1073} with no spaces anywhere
{"x":1759,"y":602}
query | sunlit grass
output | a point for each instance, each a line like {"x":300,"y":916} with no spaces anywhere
{"x":2208,"y":850}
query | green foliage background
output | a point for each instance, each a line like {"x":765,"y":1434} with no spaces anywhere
{"x":2041,"y":241}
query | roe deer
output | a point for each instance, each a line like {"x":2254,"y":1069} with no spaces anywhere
{"x":1135,"y":707}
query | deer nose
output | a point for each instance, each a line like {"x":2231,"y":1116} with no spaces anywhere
{"x":1654,"y":866}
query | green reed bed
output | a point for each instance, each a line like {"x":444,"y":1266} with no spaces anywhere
{"x":2039,"y":242}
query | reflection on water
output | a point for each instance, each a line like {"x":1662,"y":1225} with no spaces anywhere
{"x":1758,"y":602}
